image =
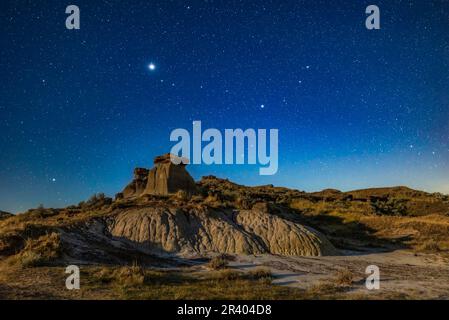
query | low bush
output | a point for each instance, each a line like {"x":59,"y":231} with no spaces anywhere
{"x":218,"y":262}
{"x":260,"y":273}
{"x":344,"y":277}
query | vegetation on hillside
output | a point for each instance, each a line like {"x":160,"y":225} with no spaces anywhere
{"x":387,"y":218}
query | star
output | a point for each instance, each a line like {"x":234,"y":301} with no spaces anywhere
{"x":53,"y":180}
{"x":152,"y":66}
{"x":262,"y":106}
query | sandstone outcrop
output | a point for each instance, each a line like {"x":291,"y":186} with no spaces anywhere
{"x":167,"y":178}
{"x":204,"y":231}
{"x":163,"y":179}
{"x":138,"y":185}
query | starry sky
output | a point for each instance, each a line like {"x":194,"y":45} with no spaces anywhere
{"x":355,"y":108}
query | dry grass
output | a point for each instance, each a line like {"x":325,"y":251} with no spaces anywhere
{"x":128,"y":283}
{"x":430,"y":245}
{"x":260,"y":273}
{"x":227,"y":275}
{"x":218,"y":262}
{"x":333,"y":287}
{"x":427,"y":233}
{"x":344,"y":277}
{"x":182,"y":195}
{"x":40,"y":251}
{"x":130,"y":276}
{"x":323,"y":289}
{"x":352,"y":222}
{"x":134,"y":282}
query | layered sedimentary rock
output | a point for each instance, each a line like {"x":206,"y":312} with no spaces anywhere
{"x":203,"y":231}
{"x":138,"y":185}
{"x":163,"y":179}
{"x":167,"y":178}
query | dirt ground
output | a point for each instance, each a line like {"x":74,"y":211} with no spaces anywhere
{"x":402,"y":273}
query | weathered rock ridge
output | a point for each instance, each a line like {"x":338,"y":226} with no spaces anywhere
{"x":204,"y":231}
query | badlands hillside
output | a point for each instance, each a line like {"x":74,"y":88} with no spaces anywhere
{"x":163,"y":218}
{"x":4,"y":214}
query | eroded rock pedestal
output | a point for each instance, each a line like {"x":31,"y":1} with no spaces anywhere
{"x":163,"y":179}
{"x":168,"y":178}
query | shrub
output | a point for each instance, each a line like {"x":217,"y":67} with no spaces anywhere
{"x":227,"y":275}
{"x":390,"y":207}
{"x":429,"y":246}
{"x":260,"y":273}
{"x":104,"y":275}
{"x":213,"y":200}
{"x":182,"y":195}
{"x":130,"y":276}
{"x":218,"y":262}
{"x":42,"y":212}
{"x":322,"y":289}
{"x":97,"y":200}
{"x":344,"y":277}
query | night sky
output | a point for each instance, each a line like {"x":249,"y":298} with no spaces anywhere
{"x":355,"y":108}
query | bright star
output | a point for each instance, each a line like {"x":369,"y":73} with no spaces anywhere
{"x":151,"y":66}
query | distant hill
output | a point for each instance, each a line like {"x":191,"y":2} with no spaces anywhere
{"x":400,"y":200}
{"x":4,"y":214}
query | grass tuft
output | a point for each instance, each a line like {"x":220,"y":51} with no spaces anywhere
{"x":344,"y":278}
{"x":218,"y":262}
{"x":40,"y":251}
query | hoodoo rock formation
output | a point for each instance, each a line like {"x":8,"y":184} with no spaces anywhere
{"x":196,"y":227}
{"x":164,"y":179}
{"x":167,"y":178}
